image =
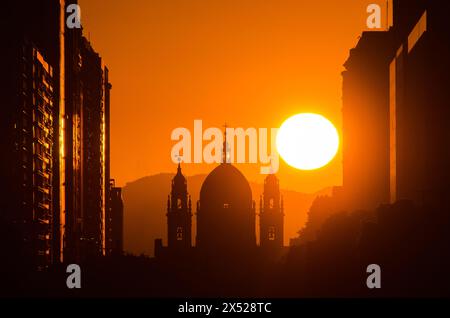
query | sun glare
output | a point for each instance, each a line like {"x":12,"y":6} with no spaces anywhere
{"x":307,"y":141}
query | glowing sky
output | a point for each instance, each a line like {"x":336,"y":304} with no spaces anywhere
{"x":251,"y":63}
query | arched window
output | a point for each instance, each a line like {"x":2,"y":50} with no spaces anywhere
{"x":271,"y":203}
{"x":271,"y":233}
{"x":179,"y":204}
{"x":179,"y":233}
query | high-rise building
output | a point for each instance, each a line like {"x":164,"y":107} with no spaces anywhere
{"x":73,"y":145}
{"x":32,"y":167}
{"x":54,"y":133}
{"x":113,"y":194}
{"x":87,"y":104}
{"x":365,"y":111}
{"x":87,"y":170}
{"x":419,"y":104}
{"x":30,"y":128}
{"x":93,"y":136}
{"x":396,"y":110}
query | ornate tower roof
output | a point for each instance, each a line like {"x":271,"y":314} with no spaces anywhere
{"x":179,"y":183}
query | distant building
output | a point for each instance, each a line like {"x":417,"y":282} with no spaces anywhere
{"x":114,"y":222}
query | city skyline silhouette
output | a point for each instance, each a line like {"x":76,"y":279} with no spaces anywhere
{"x":382,"y":232}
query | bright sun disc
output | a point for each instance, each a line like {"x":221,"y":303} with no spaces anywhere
{"x":307,"y":141}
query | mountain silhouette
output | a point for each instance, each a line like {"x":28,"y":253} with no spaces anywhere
{"x":145,"y":202}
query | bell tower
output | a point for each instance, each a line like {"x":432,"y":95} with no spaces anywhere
{"x":179,"y":213}
{"x":271,"y":214}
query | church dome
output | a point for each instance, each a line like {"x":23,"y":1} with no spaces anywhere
{"x":227,"y":185}
{"x":225,"y":212}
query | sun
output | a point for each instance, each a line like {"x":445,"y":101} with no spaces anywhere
{"x":307,"y":141}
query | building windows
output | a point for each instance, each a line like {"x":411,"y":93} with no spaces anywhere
{"x":179,"y":204}
{"x":226,"y":205}
{"x":271,"y":233}
{"x":179,"y":233}
{"x":396,"y":83}
{"x":393,"y":132}
{"x":419,"y":29}
{"x":271,"y":203}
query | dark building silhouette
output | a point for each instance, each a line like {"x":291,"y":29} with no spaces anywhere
{"x":114,"y":222}
{"x":225,"y":212}
{"x":87,"y":173}
{"x":271,"y":217}
{"x":54,"y":135}
{"x":112,"y":194}
{"x":179,"y":214}
{"x":73,"y":146}
{"x":396,"y":150}
{"x":365,"y":113}
{"x":93,"y":169}
{"x":395,"y":110}
{"x":419,"y":105}
{"x":29,"y":136}
{"x":31,"y":158}
{"x":226,"y":218}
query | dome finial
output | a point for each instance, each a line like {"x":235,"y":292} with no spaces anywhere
{"x":179,"y":163}
{"x":225,"y":153}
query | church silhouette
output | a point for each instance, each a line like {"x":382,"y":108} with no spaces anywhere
{"x":225,"y":217}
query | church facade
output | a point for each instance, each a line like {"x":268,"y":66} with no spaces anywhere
{"x":226,"y":217}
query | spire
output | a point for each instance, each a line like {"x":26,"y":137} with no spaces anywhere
{"x":179,"y":182}
{"x":179,"y":174}
{"x":189,"y":204}
{"x":225,"y":157}
{"x":179,"y":158}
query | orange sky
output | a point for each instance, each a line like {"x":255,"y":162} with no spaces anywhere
{"x":251,"y":63}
